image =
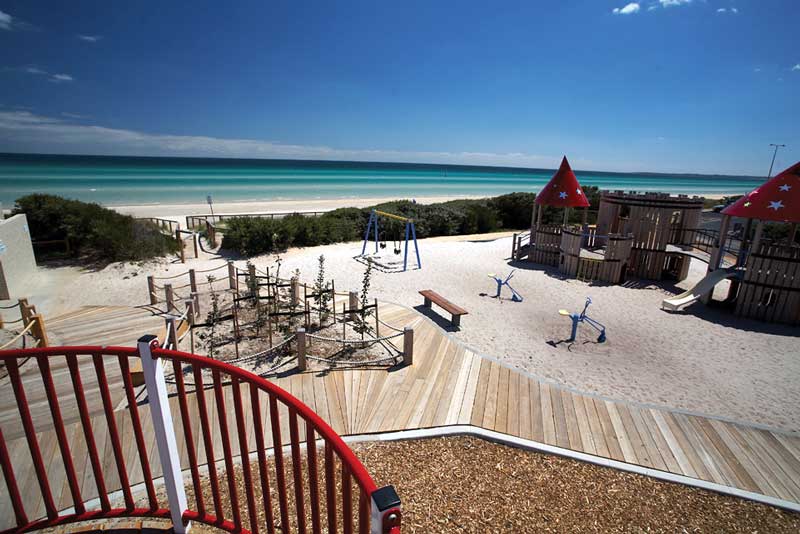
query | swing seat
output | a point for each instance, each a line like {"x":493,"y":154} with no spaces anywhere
{"x":565,"y":313}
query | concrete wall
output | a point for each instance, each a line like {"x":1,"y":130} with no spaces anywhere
{"x":17,"y":262}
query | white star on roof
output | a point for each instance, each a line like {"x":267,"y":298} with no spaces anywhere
{"x":785,"y":187}
{"x":578,"y":190}
{"x":562,"y":195}
{"x":775,"y":205}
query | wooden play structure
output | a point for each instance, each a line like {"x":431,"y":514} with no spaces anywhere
{"x":768,"y":285}
{"x":662,"y":228}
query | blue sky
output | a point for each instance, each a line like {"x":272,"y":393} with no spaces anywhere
{"x":658,"y":85}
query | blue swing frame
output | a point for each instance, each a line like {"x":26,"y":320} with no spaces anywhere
{"x":373,"y":227}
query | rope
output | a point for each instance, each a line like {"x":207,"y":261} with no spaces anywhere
{"x":354,"y":341}
{"x":168,"y":277}
{"x":9,"y":306}
{"x":262,"y":353}
{"x":352,"y":363}
{"x":27,"y":329}
{"x":390,"y":326}
{"x":12,"y":322}
{"x":184,"y":286}
{"x":212,"y":269}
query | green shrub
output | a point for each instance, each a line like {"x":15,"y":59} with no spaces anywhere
{"x":93,"y":231}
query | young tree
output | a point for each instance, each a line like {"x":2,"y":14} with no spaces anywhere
{"x":361,"y":325}
{"x":322,"y":289}
{"x":213,"y":317}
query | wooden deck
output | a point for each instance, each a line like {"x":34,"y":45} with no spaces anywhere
{"x":451,"y":385}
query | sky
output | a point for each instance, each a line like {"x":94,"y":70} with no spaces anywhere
{"x":658,"y":85}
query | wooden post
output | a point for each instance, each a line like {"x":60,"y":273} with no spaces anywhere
{"x":151,"y":289}
{"x":38,"y":330}
{"x":190,"y":319}
{"x":1,"y":321}
{"x":169,"y":296}
{"x":757,"y":237}
{"x":24,"y":312}
{"x":408,"y":346}
{"x":792,"y":234}
{"x":194,"y":243}
{"x":377,"y":324}
{"x":566,"y":216}
{"x":301,"y":349}
{"x":192,"y":281}
{"x":307,"y":314}
{"x":294,"y":290}
{"x":333,"y":300}
{"x":353,"y":305}
{"x":232,"y":282}
{"x":196,"y":300}
{"x":158,"y":400}
{"x":172,"y":334}
{"x":180,"y":244}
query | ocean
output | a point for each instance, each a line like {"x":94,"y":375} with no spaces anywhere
{"x":112,"y":180}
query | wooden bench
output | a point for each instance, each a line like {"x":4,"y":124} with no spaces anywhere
{"x":456,"y":312}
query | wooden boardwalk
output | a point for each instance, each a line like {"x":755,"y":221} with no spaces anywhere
{"x":451,"y":385}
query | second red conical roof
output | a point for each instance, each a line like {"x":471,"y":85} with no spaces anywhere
{"x":778,"y":199}
{"x":563,"y":190}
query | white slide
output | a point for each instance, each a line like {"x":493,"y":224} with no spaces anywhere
{"x":700,"y":288}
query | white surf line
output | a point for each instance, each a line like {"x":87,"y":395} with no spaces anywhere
{"x":549,"y":381}
{"x":530,"y":445}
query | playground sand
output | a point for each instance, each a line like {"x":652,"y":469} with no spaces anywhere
{"x":702,"y":360}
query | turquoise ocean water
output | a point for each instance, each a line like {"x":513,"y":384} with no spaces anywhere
{"x":136,"y":180}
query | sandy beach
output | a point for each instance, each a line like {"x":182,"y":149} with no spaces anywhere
{"x":180,"y":211}
{"x":701,"y":360}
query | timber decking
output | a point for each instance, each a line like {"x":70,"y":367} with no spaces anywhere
{"x":88,"y":325}
{"x":452,"y":385}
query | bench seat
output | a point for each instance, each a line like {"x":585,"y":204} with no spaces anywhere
{"x":454,"y":310}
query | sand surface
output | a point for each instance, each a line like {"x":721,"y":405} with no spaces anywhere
{"x":701,"y":360}
{"x":180,"y":211}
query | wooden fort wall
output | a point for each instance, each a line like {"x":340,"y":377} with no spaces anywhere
{"x":770,"y":288}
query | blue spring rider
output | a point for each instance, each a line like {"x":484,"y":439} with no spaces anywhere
{"x":582,"y":317}
{"x":516,"y":297}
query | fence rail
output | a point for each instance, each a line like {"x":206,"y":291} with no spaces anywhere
{"x":297,"y":474}
{"x":199,"y":221}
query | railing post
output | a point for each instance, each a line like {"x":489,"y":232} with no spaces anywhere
{"x":153,"y":370}
{"x":514,"y":247}
{"x":39,"y":331}
{"x":408,"y":345}
{"x":295,"y":289}
{"x":192,"y":281}
{"x":353,"y":304}
{"x":151,"y":290}
{"x":386,"y":512}
{"x":301,"y":349}
{"x":172,"y":334}
{"x":232,"y":275}
{"x":180,"y":244}
{"x":170,"y":297}
{"x":196,"y":298}
{"x":194,"y":244}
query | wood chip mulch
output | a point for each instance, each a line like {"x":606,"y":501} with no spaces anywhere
{"x":466,"y":484}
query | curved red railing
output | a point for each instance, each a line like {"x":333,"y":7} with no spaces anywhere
{"x":91,"y":445}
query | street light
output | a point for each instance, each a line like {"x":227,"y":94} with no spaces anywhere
{"x":773,"y":158}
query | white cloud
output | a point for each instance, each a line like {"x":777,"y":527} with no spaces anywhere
{"x":629,"y":9}
{"x":734,"y":10}
{"x":73,"y":115}
{"x":721,"y":10}
{"x":671,"y":3}
{"x":726,"y":10}
{"x":34,"y":70}
{"x":5,"y":21}
{"x":757,"y":69}
{"x":796,"y":67}
{"x":55,"y":134}
{"x":89,"y":38}
{"x":55,"y":78}
{"x":61,"y":78}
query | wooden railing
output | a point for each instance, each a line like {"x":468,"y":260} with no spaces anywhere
{"x":312,"y":482}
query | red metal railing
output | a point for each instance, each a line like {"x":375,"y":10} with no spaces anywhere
{"x":98,"y":448}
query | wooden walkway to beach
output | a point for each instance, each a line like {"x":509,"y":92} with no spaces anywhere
{"x":451,"y":385}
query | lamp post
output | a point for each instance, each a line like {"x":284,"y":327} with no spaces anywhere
{"x":773,"y":158}
{"x":210,"y":205}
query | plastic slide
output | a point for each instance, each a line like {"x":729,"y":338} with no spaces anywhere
{"x":700,"y":288}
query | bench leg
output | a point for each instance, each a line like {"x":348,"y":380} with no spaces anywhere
{"x":427,"y":302}
{"x":456,"y":320}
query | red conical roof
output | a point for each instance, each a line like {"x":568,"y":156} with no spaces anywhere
{"x":563,"y":190}
{"x":778,"y":199}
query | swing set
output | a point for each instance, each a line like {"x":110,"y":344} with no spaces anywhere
{"x":373,"y":229}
